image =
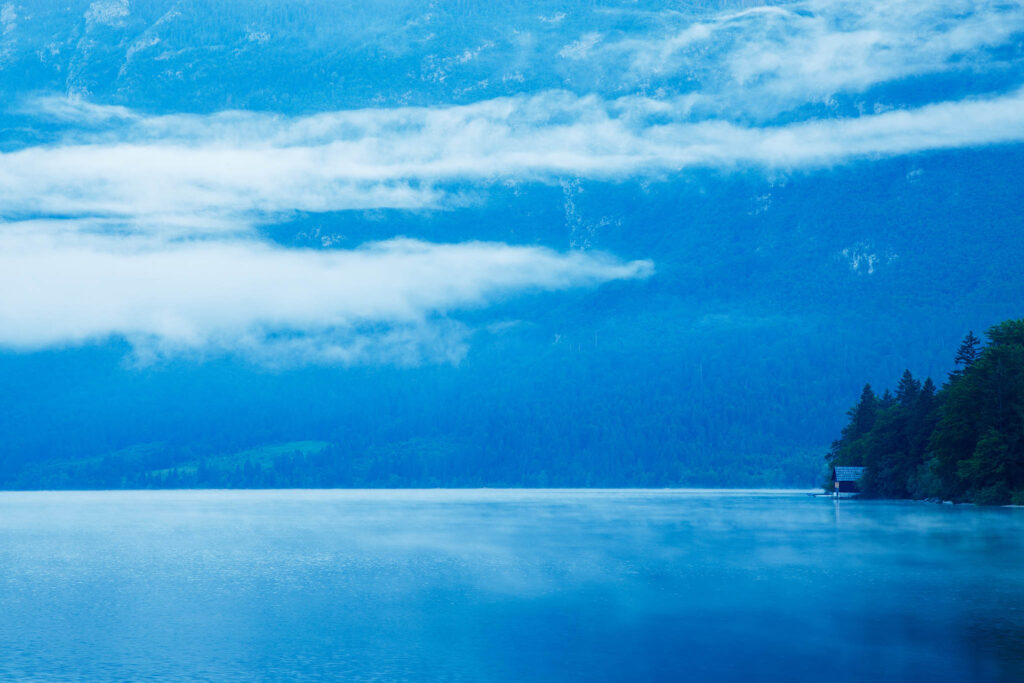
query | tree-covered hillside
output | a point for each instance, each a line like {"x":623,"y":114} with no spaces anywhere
{"x":964,"y":442}
{"x":730,"y":366}
{"x":624,"y":243}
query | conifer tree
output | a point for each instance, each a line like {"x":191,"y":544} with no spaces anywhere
{"x":887,"y":401}
{"x":968,"y":352}
{"x":848,"y":450}
{"x":862,"y":416}
{"x":908,"y":390}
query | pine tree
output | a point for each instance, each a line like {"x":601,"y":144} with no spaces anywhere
{"x":887,"y":401}
{"x":923,"y":418}
{"x":928,"y":389}
{"x":968,"y":352}
{"x":863,"y":415}
{"x":908,"y":390}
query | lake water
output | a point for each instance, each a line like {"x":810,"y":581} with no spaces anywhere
{"x":506,"y":586}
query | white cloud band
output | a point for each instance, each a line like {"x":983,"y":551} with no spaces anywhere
{"x":199,"y":172}
{"x":240,"y":296}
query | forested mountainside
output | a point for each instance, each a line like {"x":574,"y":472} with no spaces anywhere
{"x":488,"y":244}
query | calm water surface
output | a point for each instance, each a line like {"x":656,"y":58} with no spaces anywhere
{"x":506,"y":586}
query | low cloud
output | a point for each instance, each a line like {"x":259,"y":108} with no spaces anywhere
{"x":387,"y":300}
{"x":224,"y":171}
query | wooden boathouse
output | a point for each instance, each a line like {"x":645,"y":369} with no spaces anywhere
{"x":845,"y":479}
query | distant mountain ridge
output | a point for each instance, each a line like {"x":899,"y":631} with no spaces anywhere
{"x":775,"y":291}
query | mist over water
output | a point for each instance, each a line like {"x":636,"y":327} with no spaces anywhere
{"x":506,"y":585}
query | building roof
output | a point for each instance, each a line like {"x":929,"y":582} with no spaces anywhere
{"x":848,"y":473}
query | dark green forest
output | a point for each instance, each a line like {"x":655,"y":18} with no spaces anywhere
{"x":963,"y":442}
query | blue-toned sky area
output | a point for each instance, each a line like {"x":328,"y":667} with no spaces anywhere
{"x":511,"y":242}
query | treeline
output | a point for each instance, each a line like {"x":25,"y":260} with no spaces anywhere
{"x":963,"y":442}
{"x":605,"y":409}
{"x":416,"y":463}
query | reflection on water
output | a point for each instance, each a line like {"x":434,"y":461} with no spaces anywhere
{"x":506,"y":586}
